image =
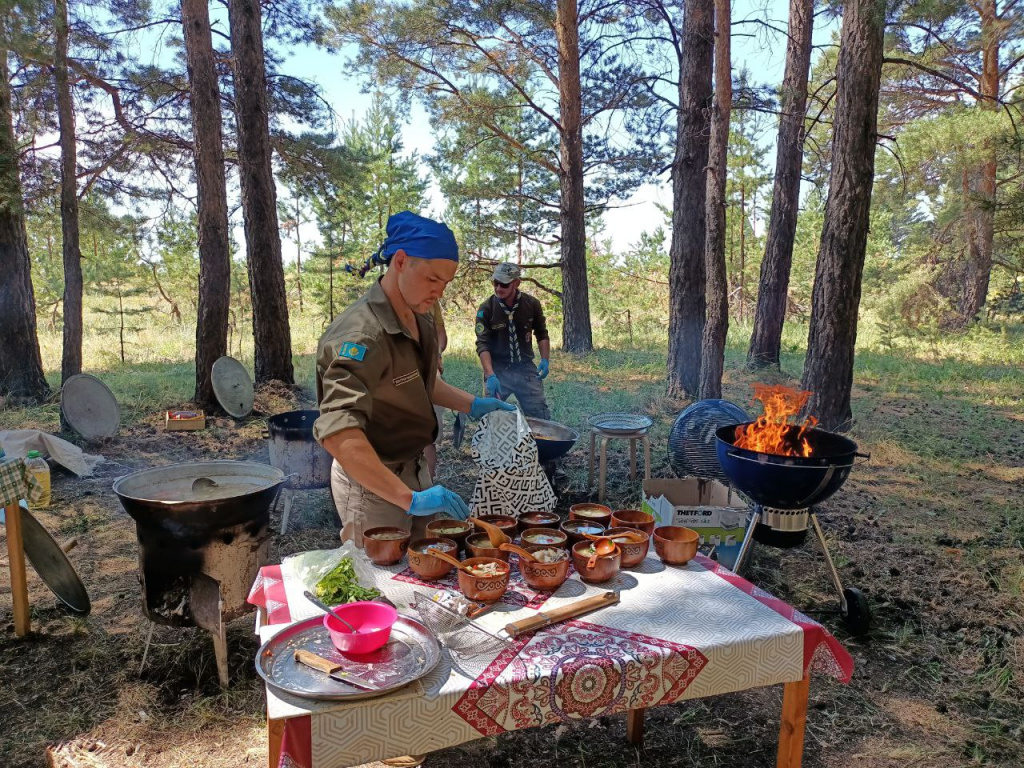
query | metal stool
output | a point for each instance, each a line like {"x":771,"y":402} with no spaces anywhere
{"x":617,"y":426}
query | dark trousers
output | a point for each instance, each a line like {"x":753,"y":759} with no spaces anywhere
{"x":523,"y":381}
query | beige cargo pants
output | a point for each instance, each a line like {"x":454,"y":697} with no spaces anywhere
{"x":360,"y":509}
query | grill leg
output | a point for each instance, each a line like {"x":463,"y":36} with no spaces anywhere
{"x":748,"y":542}
{"x":828,"y":559}
{"x":287,"y":494}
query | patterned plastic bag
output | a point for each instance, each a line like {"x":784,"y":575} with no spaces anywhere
{"x":511,"y":480}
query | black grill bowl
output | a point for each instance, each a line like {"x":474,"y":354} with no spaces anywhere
{"x":788,"y":482}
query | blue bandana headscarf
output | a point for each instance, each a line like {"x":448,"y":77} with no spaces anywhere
{"x":418,"y":236}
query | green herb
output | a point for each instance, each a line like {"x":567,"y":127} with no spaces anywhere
{"x":341,"y":585}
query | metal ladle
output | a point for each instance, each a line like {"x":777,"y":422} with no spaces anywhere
{"x":324,"y":607}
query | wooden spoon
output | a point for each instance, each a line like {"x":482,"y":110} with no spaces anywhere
{"x":448,"y":559}
{"x":519,"y":551}
{"x":494,"y":533}
{"x":634,"y":537}
{"x":602,"y":546}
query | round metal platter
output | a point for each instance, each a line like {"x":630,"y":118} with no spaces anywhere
{"x":620,"y":423}
{"x":53,"y":565}
{"x":89,"y":407}
{"x":410,"y":654}
{"x":232,"y":386}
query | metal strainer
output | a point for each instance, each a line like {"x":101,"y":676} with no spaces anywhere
{"x":471,"y":647}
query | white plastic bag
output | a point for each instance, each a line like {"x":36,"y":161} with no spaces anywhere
{"x":312,"y":566}
{"x":511,"y":480}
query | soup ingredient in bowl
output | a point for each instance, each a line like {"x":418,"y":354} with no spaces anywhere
{"x":450,"y":530}
{"x":587,"y":529}
{"x":540,"y":538}
{"x":549,"y":555}
{"x":488,"y":569}
{"x":341,"y":585}
{"x":388,"y":535}
{"x":437,"y":547}
{"x":591,"y":513}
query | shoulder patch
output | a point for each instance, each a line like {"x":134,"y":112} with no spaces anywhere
{"x":479,"y":327}
{"x":352,"y":351}
{"x":480,"y":313}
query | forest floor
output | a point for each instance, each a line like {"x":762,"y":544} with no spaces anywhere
{"x":930,"y":529}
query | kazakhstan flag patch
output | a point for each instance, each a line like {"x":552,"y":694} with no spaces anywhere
{"x":352,"y":351}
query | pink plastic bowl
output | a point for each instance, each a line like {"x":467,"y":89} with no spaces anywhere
{"x":373,"y":620}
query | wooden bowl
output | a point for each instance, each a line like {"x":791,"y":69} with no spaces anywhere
{"x":440,"y":527}
{"x":571,"y":528}
{"x":633,"y":552}
{"x":560,"y":539}
{"x":633,"y":518}
{"x":594,"y":513}
{"x":675,"y":544}
{"x":506,"y":523}
{"x":539,"y":520}
{"x":604,"y":569}
{"x":486,"y":589}
{"x":425,"y":565}
{"x":547,"y":577}
{"x":385,"y":551}
{"x":478,"y":545}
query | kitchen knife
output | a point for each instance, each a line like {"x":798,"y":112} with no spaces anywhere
{"x":333,"y":671}
{"x":460,"y":429}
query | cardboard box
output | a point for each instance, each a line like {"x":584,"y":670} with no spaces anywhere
{"x":709,"y":507}
{"x":184,"y":424}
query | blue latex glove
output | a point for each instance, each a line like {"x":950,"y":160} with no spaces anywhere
{"x":483,"y":405}
{"x":492,"y":385}
{"x":438,"y":500}
{"x":542,"y":369}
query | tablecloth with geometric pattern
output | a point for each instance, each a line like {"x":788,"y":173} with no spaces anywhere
{"x":678,"y":632}
{"x":16,"y":482}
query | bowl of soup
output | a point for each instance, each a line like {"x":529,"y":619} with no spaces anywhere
{"x":506,"y":523}
{"x":544,"y":537}
{"x":385,"y":545}
{"x":633,"y":518}
{"x":539,"y":520}
{"x":425,"y":565}
{"x":487,"y":580}
{"x":574,"y":530}
{"x":594,"y":513}
{"x":605,"y":567}
{"x":455,"y":530}
{"x":633,"y":552}
{"x":479,"y":545}
{"x":548,"y":574}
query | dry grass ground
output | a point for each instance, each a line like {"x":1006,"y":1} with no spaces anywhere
{"x":931,"y":529}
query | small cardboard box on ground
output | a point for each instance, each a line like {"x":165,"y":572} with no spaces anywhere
{"x":709,"y":507}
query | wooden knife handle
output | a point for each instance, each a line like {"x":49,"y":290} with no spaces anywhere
{"x":556,"y":615}
{"x":310,"y":659}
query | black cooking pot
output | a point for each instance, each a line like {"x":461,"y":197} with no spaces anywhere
{"x":228,"y":493}
{"x":788,"y":482}
{"x":553,"y":439}
{"x":295,"y":451}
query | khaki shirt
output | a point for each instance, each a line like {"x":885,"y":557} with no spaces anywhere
{"x":372,"y":375}
{"x":492,"y":328}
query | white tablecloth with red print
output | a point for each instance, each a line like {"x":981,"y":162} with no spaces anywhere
{"x":677,"y":633}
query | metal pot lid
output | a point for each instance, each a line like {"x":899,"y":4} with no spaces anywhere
{"x":89,"y":407}
{"x":52,"y":564}
{"x":232,"y":387}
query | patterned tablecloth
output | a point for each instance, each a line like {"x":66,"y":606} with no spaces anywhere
{"x":678,"y":633}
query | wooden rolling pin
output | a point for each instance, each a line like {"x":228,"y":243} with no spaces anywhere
{"x":555,"y":615}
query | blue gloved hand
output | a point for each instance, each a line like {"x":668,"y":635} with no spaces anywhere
{"x":542,"y":369}
{"x":483,"y":405}
{"x":438,"y":500}
{"x":492,"y":385}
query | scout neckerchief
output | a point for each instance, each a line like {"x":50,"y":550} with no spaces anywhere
{"x":513,"y":337}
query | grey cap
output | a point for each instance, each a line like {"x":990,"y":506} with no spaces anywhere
{"x":506,"y":273}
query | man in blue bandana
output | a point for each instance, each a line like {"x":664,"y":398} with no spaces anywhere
{"x":377,"y":384}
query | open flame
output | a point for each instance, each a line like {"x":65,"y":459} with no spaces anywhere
{"x":771,"y":432}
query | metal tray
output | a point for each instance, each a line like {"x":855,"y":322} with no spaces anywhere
{"x":410,"y":654}
{"x":620,"y":423}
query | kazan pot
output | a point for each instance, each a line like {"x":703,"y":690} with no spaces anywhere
{"x":295,"y":451}
{"x":788,"y":482}
{"x":553,"y":440}
{"x":200,"y":523}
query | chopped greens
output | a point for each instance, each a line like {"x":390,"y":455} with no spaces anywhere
{"x":341,"y":585}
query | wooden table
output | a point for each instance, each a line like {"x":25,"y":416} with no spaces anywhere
{"x":678,"y":633}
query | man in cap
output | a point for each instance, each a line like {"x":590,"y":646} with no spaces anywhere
{"x":506,"y":324}
{"x":377,"y":384}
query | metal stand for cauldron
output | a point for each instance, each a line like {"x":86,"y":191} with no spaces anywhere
{"x":295,"y":451}
{"x":785,"y":526}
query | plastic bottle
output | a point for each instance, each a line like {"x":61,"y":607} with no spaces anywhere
{"x":36,"y":464}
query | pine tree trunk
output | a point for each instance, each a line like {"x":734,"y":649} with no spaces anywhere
{"x":689,"y":188}
{"x":21,"y":366}
{"x":576,"y":331}
{"x":981,"y":192}
{"x":212,"y":219}
{"x":716,"y":327}
{"x":271,"y":333}
{"x":828,"y":370}
{"x":71,"y":357}
{"x":773,"y":289}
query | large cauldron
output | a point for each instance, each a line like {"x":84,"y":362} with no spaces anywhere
{"x":553,"y":439}
{"x":788,"y":482}
{"x":295,"y":451}
{"x":196,"y":523}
